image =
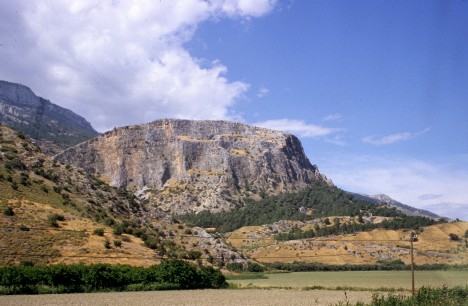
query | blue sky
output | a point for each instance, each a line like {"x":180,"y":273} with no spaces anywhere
{"x":377,"y":91}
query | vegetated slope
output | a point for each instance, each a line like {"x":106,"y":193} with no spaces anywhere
{"x":388,"y":248}
{"x":188,"y":166}
{"x":320,"y":200}
{"x":52,"y":212}
{"x":54,"y":127}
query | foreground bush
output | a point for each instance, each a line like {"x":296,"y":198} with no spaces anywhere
{"x":169,"y":275}
{"x":425,"y":296}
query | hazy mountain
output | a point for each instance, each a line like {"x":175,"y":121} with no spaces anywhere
{"x":406,"y":209}
{"x":54,"y":127}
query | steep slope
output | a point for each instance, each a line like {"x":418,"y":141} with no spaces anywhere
{"x":52,"y":212}
{"x":185,"y":166}
{"x":54,"y":127}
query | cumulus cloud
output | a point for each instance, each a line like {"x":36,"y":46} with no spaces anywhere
{"x":121,"y":62}
{"x":297,"y":127}
{"x":389,"y":139}
{"x":418,"y":183}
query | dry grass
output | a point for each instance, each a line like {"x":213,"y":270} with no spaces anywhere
{"x":433,"y":247}
{"x":192,"y":297}
{"x":72,"y":242}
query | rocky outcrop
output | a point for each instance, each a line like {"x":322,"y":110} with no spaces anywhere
{"x":52,"y":126}
{"x":183,"y":166}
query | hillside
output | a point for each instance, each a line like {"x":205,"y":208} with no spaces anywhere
{"x":51,"y":212}
{"x":185,"y":166}
{"x":318,"y":200}
{"x":53,"y":127}
{"x":379,"y":246}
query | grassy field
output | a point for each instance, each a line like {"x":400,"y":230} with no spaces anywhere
{"x":357,"y":280}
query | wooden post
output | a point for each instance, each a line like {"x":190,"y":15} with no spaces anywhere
{"x":412,"y":263}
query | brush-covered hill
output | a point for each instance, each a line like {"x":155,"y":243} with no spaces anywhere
{"x":53,"y":127}
{"x":52,"y":212}
{"x":279,"y":242}
{"x":326,"y":225}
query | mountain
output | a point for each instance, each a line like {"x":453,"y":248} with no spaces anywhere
{"x":184,"y":166}
{"x":52,"y":212}
{"x":52,"y":126}
{"x":406,"y":209}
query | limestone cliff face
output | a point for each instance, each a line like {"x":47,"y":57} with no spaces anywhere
{"x":183,"y":165}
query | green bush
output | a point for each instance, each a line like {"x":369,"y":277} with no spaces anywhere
{"x":174,"y":272}
{"x":8,"y":211}
{"x":99,"y":232}
{"x":169,"y":275}
{"x":425,"y":296}
{"x":53,"y":218}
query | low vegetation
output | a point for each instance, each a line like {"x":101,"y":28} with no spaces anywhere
{"x":169,"y":275}
{"x":457,"y":296}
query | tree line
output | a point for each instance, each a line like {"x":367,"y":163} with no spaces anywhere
{"x":168,"y":275}
{"x":390,"y":265}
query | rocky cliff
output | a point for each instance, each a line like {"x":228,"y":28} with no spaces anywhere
{"x":54,"y":127}
{"x":182,"y":166}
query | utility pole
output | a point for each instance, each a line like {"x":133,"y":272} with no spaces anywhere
{"x":412,"y":236}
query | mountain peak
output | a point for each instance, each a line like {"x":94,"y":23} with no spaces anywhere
{"x":194,"y":165}
{"x":52,"y":126}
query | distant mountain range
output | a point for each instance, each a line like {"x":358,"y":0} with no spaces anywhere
{"x":52,"y":126}
{"x":385,"y":199}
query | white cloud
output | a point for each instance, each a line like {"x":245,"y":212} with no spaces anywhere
{"x":414,"y":182}
{"x":297,"y":127}
{"x":389,"y":139}
{"x":262,"y":92}
{"x":333,"y":117}
{"x":121,"y":62}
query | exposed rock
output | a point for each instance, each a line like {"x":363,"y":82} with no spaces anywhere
{"x":189,"y":166}
{"x":52,"y":126}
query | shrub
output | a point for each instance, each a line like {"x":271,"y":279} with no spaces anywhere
{"x":454,"y":237}
{"x":14,"y":185}
{"x":107,"y":243}
{"x":99,"y":232}
{"x":53,"y":218}
{"x":174,"y":272}
{"x":425,"y":296}
{"x":8,"y":211}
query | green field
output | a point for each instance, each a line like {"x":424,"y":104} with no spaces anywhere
{"x":357,"y":280}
